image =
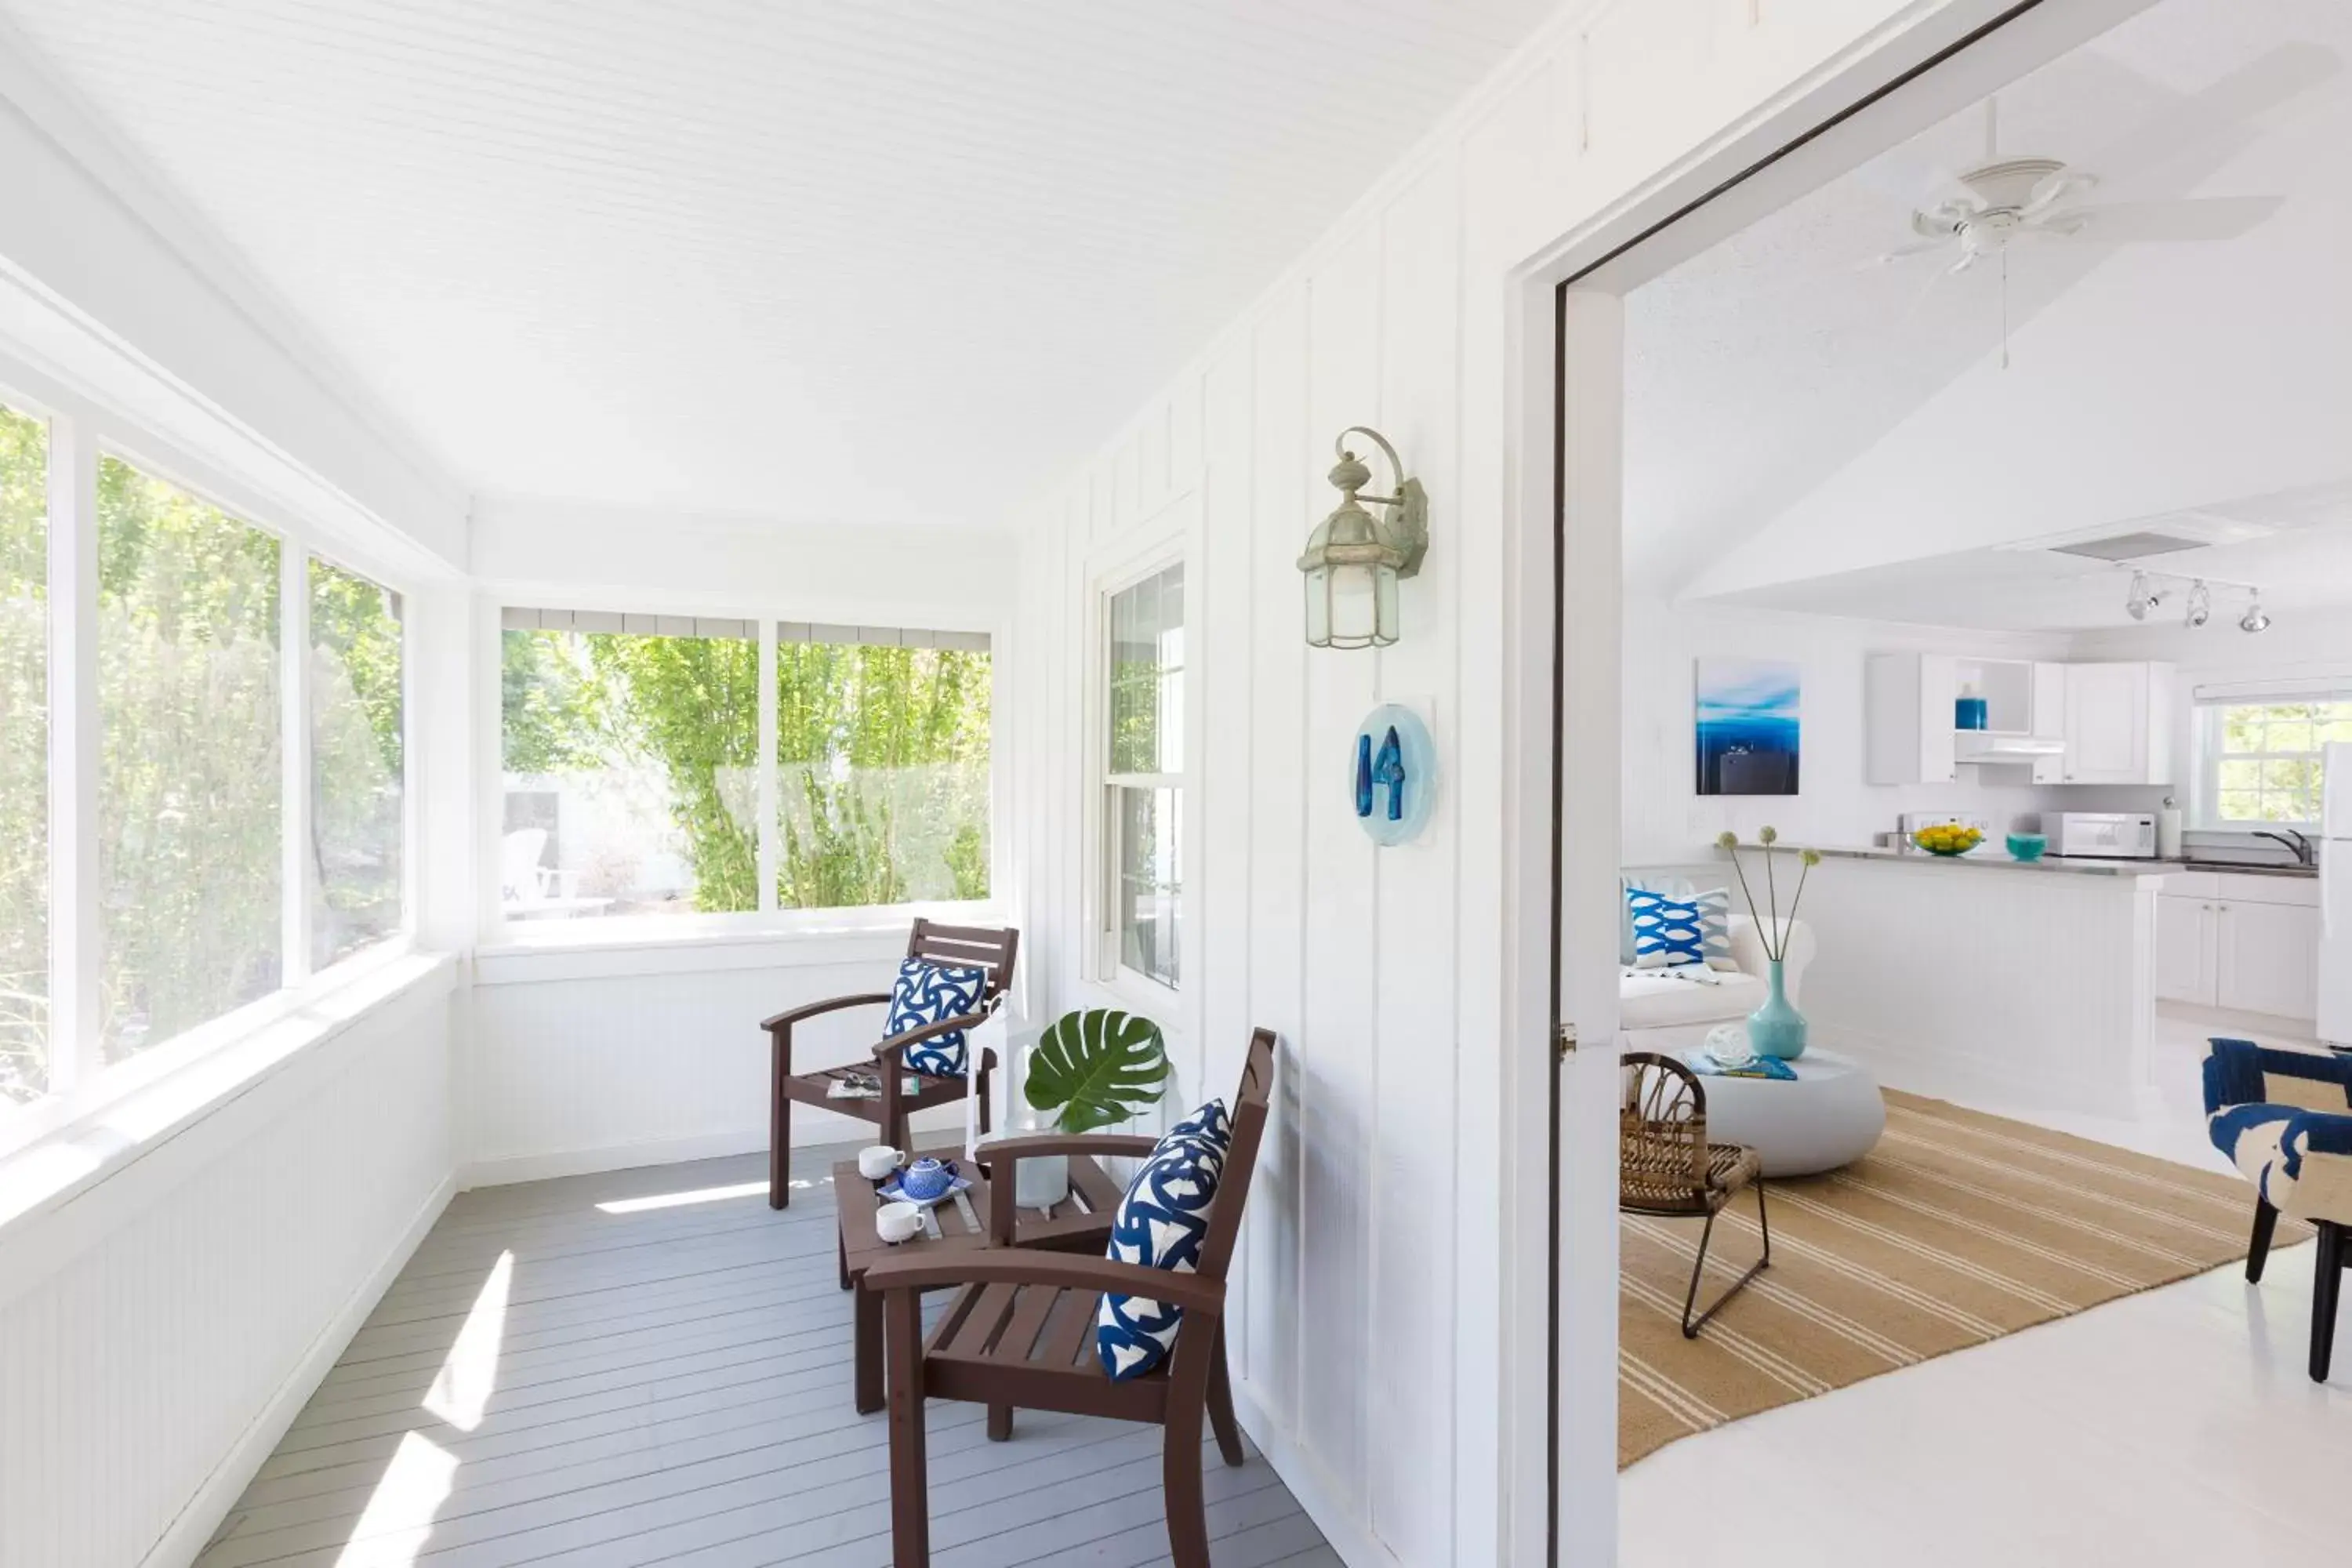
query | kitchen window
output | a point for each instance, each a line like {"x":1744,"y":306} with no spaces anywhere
{"x":2263,"y":759}
{"x":1143,"y":777}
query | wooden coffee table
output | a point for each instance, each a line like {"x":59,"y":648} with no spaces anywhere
{"x":1080,"y":1223}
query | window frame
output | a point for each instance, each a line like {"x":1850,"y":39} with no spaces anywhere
{"x":497,"y":934}
{"x":2211,"y":719}
{"x":81,"y":435}
{"x":1165,"y":540}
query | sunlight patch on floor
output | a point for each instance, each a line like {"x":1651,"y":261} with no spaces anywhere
{"x":461,"y":1391}
{"x":680,"y":1200}
{"x":391,"y":1531}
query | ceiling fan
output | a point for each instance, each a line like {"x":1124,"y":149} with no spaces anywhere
{"x":2004,"y":200}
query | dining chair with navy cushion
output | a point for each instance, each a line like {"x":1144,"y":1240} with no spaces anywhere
{"x":2285,"y":1118}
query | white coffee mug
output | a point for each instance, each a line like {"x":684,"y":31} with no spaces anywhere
{"x":877,"y":1162}
{"x":895,"y":1223}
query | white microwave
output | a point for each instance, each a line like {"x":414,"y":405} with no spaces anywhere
{"x":2106,"y":835}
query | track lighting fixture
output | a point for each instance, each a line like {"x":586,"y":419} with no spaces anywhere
{"x":2149,"y":589}
{"x":2201,"y":604}
{"x":2255,"y":619}
{"x":2141,"y":600}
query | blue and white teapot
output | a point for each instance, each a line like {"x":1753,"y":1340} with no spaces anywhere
{"x":927,"y":1180}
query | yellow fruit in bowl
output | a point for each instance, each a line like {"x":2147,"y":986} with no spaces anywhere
{"x":1947,"y":839}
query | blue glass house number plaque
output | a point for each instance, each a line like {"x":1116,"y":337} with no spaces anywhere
{"x":1392,"y":774}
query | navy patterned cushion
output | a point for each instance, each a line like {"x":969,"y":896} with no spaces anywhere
{"x":1209,"y":1125}
{"x":1161,"y":1223}
{"x":928,"y":994}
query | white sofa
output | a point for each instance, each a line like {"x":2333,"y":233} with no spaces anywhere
{"x":1658,"y":1012}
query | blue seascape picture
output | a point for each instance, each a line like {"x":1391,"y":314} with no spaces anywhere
{"x":1747,"y":740}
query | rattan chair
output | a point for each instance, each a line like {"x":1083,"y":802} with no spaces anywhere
{"x":1666,"y":1168}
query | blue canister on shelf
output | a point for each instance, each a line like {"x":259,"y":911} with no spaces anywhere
{"x":1969,"y":712}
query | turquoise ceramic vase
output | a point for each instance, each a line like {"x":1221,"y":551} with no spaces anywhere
{"x":1776,"y":1029}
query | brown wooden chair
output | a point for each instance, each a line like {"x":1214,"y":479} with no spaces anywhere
{"x":954,"y":947}
{"x":1666,"y":1167}
{"x":1021,"y":1332}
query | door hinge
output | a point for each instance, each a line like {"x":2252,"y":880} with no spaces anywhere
{"x":1566,"y":1041}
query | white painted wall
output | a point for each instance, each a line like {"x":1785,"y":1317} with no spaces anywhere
{"x":1667,"y":820}
{"x":160,"y":1327}
{"x":1372,"y":1336}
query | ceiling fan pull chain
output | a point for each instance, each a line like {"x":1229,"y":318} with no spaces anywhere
{"x":2005,"y":308}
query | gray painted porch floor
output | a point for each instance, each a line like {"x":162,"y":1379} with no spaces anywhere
{"x":580,"y":1372}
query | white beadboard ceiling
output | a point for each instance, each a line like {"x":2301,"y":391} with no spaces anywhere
{"x":897,"y":261}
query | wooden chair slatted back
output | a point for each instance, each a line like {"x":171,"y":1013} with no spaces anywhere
{"x":1251,"y":1103}
{"x":968,"y":947}
{"x":1662,"y":1121}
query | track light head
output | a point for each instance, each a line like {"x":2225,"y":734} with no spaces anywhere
{"x":2201,"y":606}
{"x":2255,"y":619}
{"x":2136,"y":602}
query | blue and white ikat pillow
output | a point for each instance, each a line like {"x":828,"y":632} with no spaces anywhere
{"x":929,"y":993}
{"x":1210,"y":1125}
{"x":1162,"y":1223}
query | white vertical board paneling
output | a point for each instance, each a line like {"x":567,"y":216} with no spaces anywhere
{"x":1276,"y":352}
{"x":149,"y":1323}
{"x":1373,"y":1340}
{"x":1336,"y":1053}
{"x":1413,"y":1077}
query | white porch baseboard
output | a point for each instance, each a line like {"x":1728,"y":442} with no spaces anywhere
{"x":192,"y":1530}
{"x":1314,"y":1489}
{"x":512,"y":1168}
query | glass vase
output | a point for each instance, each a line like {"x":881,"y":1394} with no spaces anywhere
{"x":1776,"y":1028}
{"x":1041,"y":1181}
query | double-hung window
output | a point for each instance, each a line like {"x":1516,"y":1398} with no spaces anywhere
{"x":1143,"y":777}
{"x":636,"y":780}
{"x":2263,"y":758}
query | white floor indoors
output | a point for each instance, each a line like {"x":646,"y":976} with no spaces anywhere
{"x":2187,"y":1406}
{"x":651,"y":1366}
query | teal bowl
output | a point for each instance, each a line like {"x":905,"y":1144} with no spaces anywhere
{"x":2027,"y":846}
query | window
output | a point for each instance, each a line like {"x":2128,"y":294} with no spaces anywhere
{"x":2263,"y":759}
{"x":24,"y":758}
{"x":628,"y":760}
{"x":358,"y":774}
{"x":189,"y":772}
{"x":1144,"y":779}
{"x":881,"y":768}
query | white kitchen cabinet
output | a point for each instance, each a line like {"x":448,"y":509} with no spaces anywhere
{"x":2118,"y":724}
{"x":2267,"y":959}
{"x":2185,"y":959}
{"x":2250,"y":944}
{"x":2050,"y":720}
{"x":1908,"y":718}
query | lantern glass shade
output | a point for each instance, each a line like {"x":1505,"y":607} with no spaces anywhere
{"x":1351,"y":605}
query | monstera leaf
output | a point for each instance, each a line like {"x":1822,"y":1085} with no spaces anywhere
{"x":1098,"y":1068}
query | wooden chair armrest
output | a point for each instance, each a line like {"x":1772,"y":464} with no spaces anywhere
{"x":1059,"y":1269}
{"x":794,"y":1015}
{"x":1122,"y":1144}
{"x":929,"y":1031}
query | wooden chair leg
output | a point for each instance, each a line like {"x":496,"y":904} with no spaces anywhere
{"x":2258,"y":1251}
{"x":2326,"y":1287}
{"x":1000,"y":1423}
{"x":910,"y":1503}
{"x":780,"y":1119}
{"x":1179,"y":1476}
{"x":1221,"y":1406}
{"x":894,"y":1116}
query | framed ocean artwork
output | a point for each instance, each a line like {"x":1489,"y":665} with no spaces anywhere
{"x":1748,"y":726}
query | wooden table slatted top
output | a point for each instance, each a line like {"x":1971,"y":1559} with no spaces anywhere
{"x":1079,"y":1223}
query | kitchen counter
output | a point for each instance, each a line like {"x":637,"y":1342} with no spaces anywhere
{"x":1996,"y":857}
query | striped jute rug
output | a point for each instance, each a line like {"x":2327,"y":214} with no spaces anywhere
{"x":1958,"y":1228}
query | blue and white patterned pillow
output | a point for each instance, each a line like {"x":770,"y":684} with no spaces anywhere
{"x":1670,"y":932}
{"x":1161,"y":1223}
{"x":1209,"y":1125}
{"x":928,"y":994}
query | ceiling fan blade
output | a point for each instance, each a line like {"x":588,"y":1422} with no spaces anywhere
{"x":1906,"y":252}
{"x":2051,"y":189}
{"x":2200,"y":219}
{"x":1938,"y":223}
{"x":2220,"y":113}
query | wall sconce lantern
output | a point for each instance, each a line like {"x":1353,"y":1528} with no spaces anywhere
{"x":1354,"y":560}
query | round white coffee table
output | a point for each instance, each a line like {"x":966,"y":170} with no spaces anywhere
{"x":1831,"y":1115}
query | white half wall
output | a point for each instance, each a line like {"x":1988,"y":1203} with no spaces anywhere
{"x":604,"y":1059}
{"x":1667,"y":820}
{"x":1373,"y":1334}
{"x":160,"y":1327}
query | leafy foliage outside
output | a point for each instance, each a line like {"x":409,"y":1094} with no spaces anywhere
{"x":24,"y":758}
{"x":2270,"y":764}
{"x":356,"y":762}
{"x":881,"y":759}
{"x":189,"y":780}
